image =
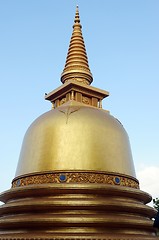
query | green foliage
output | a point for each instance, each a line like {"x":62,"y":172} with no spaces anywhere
{"x":156,"y":203}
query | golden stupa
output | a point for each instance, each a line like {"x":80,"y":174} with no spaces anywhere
{"x":75,"y":178}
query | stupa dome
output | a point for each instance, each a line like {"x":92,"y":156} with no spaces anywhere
{"x":76,"y":136}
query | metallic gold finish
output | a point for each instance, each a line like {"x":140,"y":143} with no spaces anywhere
{"x":76,"y":67}
{"x":71,"y":211}
{"x":76,"y":137}
{"x":76,"y":91}
{"x":76,"y":177}
{"x":76,"y":75}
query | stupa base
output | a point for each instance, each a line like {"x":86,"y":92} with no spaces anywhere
{"x":76,"y":237}
{"x":76,"y":211}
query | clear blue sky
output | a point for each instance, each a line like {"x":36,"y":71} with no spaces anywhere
{"x":122,"y":42}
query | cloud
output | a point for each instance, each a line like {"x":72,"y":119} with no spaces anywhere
{"x":149,"y":180}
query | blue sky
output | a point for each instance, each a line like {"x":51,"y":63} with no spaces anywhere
{"x":122,"y":42}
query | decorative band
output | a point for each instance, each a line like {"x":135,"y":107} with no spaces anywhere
{"x":75,"y":177}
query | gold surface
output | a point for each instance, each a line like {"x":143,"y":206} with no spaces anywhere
{"x":76,"y":137}
{"x":71,"y":211}
{"x":77,"y":177}
{"x":71,"y":90}
{"x":100,"y":199}
{"x":76,"y":67}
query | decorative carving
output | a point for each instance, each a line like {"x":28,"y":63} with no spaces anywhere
{"x":76,"y":177}
{"x":86,"y":100}
{"x":81,"y":80}
{"x":62,"y":101}
{"x":77,"y":67}
{"x":76,"y":238}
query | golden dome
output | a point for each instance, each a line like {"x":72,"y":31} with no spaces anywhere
{"x":75,"y":178}
{"x":75,"y":136}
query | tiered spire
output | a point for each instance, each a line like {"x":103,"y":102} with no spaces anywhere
{"x":76,"y":67}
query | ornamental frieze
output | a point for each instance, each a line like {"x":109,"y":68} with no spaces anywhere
{"x":76,"y":177}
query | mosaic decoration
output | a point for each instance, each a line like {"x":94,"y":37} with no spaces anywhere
{"x":76,"y":177}
{"x":72,"y":238}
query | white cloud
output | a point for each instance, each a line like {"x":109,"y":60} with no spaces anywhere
{"x":149,"y":180}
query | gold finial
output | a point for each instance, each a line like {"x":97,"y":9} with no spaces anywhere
{"x":76,"y":67}
{"x":77,"y":19}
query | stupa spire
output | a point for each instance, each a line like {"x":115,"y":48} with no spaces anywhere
{"x":76,"y":66}
{"x":77,"y":18}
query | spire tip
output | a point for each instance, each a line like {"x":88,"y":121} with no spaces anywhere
{"x":77,"y":18}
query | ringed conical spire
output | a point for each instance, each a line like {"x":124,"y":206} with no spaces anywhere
{"x":77,"y":67}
